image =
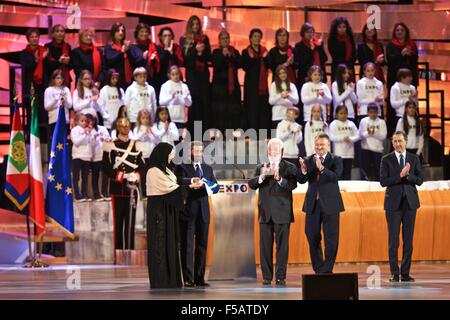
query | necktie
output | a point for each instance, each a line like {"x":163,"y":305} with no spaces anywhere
{"x":198,"y":171}
{"x":318,"y":177}
{"x":402,"y":162}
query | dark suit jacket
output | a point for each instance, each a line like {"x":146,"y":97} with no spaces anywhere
{"x":275,"y":199}
{"x":400,"y":187}
{"x":327,"y":185}
{"x":197,"y":201}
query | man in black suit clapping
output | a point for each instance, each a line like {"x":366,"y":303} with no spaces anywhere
{"x":400,"y":172}
{"x":275,"y":181}
{"x":323,"y":203}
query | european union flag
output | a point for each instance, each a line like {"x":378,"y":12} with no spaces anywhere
{"x":59,"y":200}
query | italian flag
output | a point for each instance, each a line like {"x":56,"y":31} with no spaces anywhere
{"x":37,"y":205}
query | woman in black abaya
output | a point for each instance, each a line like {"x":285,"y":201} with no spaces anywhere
{"x":165,"y":201}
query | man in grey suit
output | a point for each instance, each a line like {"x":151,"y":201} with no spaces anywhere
{"x":400,"y":172}
{"x":275,"y":181}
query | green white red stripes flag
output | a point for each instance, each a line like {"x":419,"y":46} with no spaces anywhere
{"x":17,"y":178}
{"x":37,"y":203}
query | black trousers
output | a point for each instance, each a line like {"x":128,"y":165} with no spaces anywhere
{"x":80,"y":166}
{"x":123,"y":231}
{"x":406,"y":218}
{"x":371,"y":164}
{"x":313,"y":224}
{"x":347,"y":172}
{"x":96,"y":168}
{"x":194,"y":242}
{"x":267,"y":233}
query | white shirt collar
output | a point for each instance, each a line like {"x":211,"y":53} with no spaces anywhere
{"x":397,"y":154}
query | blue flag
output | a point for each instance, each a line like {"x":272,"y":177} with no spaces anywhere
{"x":59,"y":200}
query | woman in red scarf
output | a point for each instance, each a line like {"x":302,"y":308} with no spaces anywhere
{"x":171,"y":54}
{"x":117,"y":55}
{"x":58,"y":55}
{"x":401,"y":52}
{"x":283,"y":54}
{"x":371,"y":50}
{"x":32,"y":62}
{"x":225,"y":89}
{"x":256,"y":93}
{"x":196,"y":50}
{"x":88,"y":57}
{"x":341,"y":45}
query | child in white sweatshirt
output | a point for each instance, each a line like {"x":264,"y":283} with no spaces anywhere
{"x":85,"y":96}
{"x":290,"y":132}
{"x":343,"y":134}
{"x":410,"y":124}
{"x":344,"y":91}
{"x":282,"y":95}
{"x":175,"y":96}
{"x":99,"y":134}
{"x":315,"y":126}
{"x":315,"y":92}
{"x":372,"y":132}
{"x":369,"y":89}
{"x":143,"y":132}
{"x":54,"y":96}
{"x":111,"y":97}
{"x":81,"y":155}
{"x":163,"y":128}
{"x":402,"y":91}
{"x":139,"y":95}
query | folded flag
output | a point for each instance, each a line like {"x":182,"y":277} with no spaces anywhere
{"x":211,"y":186}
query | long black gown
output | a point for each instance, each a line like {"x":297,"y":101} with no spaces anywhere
{"x":197,"y":79}
{"x":163,"y":238}
{"x":226,"y":106}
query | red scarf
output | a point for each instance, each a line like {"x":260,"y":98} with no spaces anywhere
{"x":231,"y":70}
{"x":348,"y":46}
{"x":288,"y":51}
{"x":96,"y":59}
{"x":176,"y":50}
{"x":316,"y":55}
{"x":38,"y":73}
{"x":153,"y":66}
{"x":126,"y":63}
{"x":262,"y":85}
{"x":376,"y":52}
{"x":199,"y":64}
{"x":65,"y":52}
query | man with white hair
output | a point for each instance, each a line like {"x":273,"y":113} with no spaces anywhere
{"x":275,"y":180}
{"x":323,"y":203}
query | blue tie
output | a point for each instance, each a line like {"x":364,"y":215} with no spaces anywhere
{"x":198,"y":171}
{"x":402,"y":162}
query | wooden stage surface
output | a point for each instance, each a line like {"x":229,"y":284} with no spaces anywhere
{"x":125,"y":282}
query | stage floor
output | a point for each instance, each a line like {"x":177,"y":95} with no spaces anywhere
{"x":124,"y":282}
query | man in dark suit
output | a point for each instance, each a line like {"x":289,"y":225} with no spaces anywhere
{"x":323,"y":203}
{"x":275,"y":181}
{"x":194,"y":224}
{"x":400,"y":172}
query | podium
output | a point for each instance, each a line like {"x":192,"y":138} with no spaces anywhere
{"x":233,"y":249}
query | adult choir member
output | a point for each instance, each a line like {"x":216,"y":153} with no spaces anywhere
{"x":58,"y":55}
{"x":117,"y":55}
{"x":196,"y":50}
{"x":256,"y":92}
{"x":371,"y":50}
{"x":166,"y":200}
{"x":225,"y":88}
{"x":341,"y":46}
{"x":283,"y":54}
{"x":170,"y":52}
{"x":323,"y":203}
{"x":88,"y":57}
{"x":32,"y":63}
{"x":400,"y":173}
{"x":195,"y":218}
{"x":275,"y":180}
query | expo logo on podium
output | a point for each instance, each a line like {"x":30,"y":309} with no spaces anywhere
{"x":233,"y":188}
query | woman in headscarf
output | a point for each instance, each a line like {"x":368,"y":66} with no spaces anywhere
{"x":166,"y":200}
